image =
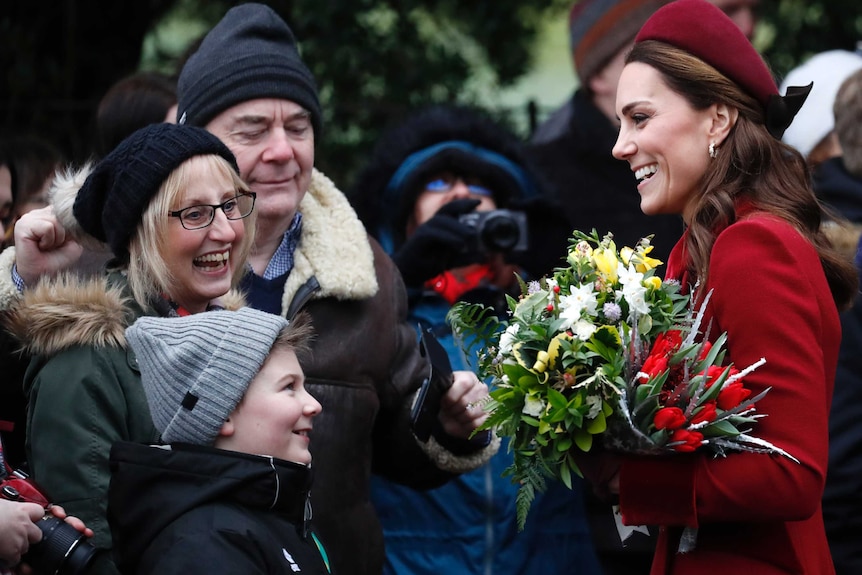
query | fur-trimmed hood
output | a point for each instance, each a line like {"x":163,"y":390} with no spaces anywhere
{"x":67,"y":311}
{"x":64,"y":190}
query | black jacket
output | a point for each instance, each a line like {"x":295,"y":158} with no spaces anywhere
{"x":835,"y":186}
{"x":842,"y":503}
{"x":191,"y":509}
{"x":595,"y":189}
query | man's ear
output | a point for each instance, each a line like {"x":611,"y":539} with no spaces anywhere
{"x":723,"y":119}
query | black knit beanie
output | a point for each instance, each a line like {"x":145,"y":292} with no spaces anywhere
{"x":110,"y":204}
{"x":251,"y":53}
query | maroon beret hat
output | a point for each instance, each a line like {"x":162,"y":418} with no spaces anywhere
{"x":703,"y":30}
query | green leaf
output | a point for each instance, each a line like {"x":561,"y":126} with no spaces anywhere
{"x":583,"y":440}
{"x":597,"y":425}
{"x":720,"y":428}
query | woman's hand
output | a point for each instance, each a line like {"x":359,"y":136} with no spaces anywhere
{"x":42,"y":246}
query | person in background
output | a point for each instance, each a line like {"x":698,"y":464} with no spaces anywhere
{"x":427,"y":173}
{"x":18,"y":526}
{"x":36,"y":163}
{"x":8,"y":189}
{"x":743,"y":13}
{"x":572,"y":149}
{"x":131,"y":103}
{"x":701,"y":126}
{"x":812,"y":132}
{"x":838,"y":183}
{"x":169,"y":203}
{"x":231,"y":491}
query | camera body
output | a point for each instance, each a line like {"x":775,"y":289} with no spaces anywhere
{"x":63,"y":550}
{"x":497,"y":230}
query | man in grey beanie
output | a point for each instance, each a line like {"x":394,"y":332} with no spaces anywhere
{"x":232,"y":492}
{"x":248,"y":85}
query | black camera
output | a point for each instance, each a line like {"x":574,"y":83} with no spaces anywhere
{"x":63,"y":549}
{"x":498,"y":230}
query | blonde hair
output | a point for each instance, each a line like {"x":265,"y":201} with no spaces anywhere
{"x":148,"y":275}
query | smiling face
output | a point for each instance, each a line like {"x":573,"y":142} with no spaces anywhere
{"x":274,"y":416}
{"x":664,"y":140}
{"x":202,"y":262}
{"x":273,"y":141}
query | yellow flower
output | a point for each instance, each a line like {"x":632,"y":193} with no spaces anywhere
{"x":626,"y":254}
{"x":653,"y":283}
{"x":606,"y":263}
{"x":644,"y":263}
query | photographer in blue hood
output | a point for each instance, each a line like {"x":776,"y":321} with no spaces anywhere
{"x":449,"y":194}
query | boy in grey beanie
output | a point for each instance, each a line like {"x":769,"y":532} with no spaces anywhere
{"x":231,"y":491}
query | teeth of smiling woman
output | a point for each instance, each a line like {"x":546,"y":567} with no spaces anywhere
{"x":645,"y":172}
{"x":213,"y":258}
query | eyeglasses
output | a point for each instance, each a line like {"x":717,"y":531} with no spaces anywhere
{"x":446,"y":183}
{"x":197,"y":217}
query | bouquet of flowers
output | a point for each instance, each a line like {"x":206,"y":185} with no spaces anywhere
{"x":605,"y":348}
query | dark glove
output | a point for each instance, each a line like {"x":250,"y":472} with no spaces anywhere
{"x":548,"y":235}
{"x":438,"y":245}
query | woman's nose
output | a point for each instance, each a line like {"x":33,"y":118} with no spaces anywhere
{"x":624,"y":147}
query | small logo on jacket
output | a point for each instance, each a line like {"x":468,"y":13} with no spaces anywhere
{"x":293,"y":566}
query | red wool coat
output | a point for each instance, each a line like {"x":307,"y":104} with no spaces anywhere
{"x":755,"y":514}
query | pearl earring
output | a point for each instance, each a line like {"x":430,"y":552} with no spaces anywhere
{"x":713,"y":153}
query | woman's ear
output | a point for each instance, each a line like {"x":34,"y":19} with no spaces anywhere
{"x":723,"y":119}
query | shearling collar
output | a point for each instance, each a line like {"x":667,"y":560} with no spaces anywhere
{"x":333,"y":248}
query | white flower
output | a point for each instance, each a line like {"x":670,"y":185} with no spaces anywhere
{"x":584,"y":330}
{"x":508,"y":338}
{"x":633,"y":289}
{"x":581,"y":301}
{"x":533,"y":406}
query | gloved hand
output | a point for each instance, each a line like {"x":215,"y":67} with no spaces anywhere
{"x":548,"y":234}
{"x":438,"y":245}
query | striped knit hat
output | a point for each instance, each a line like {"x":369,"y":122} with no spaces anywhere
{"x":196,"y":369}
{"x":599,"y":29}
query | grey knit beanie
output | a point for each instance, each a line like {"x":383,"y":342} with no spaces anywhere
{"x":111,"y":202}
{"x":251,"y":53}
{"x":196,"y":369}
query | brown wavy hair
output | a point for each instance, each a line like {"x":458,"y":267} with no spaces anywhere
{"x":751,"y":166}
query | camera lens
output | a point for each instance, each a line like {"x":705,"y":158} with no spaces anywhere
{"x":63,"y":550}
{"x":500,"y":233}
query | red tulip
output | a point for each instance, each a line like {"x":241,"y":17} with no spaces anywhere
{"x":705,"y":413}
{"x":732,"y":395}
{"x":691,"y":440}
{"x":669,"y":418}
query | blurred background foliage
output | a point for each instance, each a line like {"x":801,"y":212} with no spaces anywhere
{"x":373,"y":59}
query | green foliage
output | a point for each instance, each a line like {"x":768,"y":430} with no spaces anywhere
{"x":374,"y":60}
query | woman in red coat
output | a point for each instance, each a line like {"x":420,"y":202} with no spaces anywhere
{"x":701,"y":121}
